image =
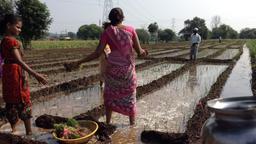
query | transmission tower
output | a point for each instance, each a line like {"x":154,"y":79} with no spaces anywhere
{"x":173,"y":24}
{"x":108,"y":5}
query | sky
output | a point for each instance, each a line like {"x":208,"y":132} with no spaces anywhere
{"x":69,"y":15}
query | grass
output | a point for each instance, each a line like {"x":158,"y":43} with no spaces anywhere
{"x":47,"y":44}
{"x":251,"y":44}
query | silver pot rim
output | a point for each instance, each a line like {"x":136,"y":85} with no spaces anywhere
{"x":233,"y":105}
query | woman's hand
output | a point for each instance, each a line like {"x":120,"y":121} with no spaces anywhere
{"x":143,"y":53}
{"x":41,"y":78}
{"x":71,"y":66}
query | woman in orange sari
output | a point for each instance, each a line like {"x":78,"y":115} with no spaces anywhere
{"x":120,"y":76}
{"x":16,"y":92}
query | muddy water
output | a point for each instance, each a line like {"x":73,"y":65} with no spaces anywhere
{"x":228,"y":54}
{"x":67,"y":76}
{"x":169,"y":108}
{"x":203,"y":53}
{"x":163,"y":52}
{"x":55,"y":79}
{"x":61,"y":66}
{"x":238,"y":83}
{"x":148,"y":75}
{"x":173,"y":54}
{"x":66,"y":105}
{"x":71,"y":104}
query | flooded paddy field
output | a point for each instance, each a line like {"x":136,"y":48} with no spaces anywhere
{"x":168,"y":91}
{"x":182,"y":52}
{"x":169,"y":108}
{"x":228,"y":54}
{"x":202,"y":54}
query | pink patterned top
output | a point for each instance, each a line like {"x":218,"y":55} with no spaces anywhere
{"x":120,"y":41}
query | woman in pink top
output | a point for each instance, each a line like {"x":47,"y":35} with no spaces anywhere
{"x":120,"y":76}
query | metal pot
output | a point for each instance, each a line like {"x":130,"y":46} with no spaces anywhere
{"x":233,"y":121}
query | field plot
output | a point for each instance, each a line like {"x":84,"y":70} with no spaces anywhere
{"x":228,"y":54}
{"x":169,"y":108}
{"x":203,"y":53}
{"x":163,"y":52}
{"x":182,"y":52}
{"x":168,"y":92}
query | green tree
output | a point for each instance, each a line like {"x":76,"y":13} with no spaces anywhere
{"x":143,"y":35}
{"x":248,"y":33}
{"x":36,"y":20}
{"x":91,"y":31}
{"x":72,"y":35}
{"x":225,"y":31}
{"x":191,"y":24}
{"x":166,"y":35}
{"x":153,"y":28}
{"x":5,"y":8}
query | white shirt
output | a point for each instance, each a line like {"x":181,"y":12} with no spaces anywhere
{"x":195,"y":38}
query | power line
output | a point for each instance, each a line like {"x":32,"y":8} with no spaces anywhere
{"x":173,"y":24}
{"x":148,"y":12}
{"x":133,"y":12}
{"x":108,"y":5}
{"x":138,"y":10}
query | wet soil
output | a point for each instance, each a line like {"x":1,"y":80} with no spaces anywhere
{"x":253,"y":81}
{"x":156,"y":137}
{"x":6,"y":138}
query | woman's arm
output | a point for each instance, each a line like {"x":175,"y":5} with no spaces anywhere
{"x":94,"y":55}
{"x":75,"y":65}
{"x":41,"y":78}
{"x":136,"y":45}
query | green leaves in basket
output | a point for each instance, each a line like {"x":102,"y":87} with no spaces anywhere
{"x":72,"y":123}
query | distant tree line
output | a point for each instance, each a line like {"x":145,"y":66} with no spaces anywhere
{"x":248,"y":33}
{"x":155,"y":34}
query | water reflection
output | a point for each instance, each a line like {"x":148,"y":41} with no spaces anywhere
{"x":192,"y":80}
{"x":238,"y":83}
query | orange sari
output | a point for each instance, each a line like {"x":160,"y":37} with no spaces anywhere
{"x":15,"y":86}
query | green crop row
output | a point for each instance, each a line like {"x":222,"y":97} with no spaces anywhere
{"x":47,"y":44}
{"x":251,"y":44}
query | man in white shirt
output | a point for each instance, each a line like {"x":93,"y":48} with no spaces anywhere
{"x":195,"y":41}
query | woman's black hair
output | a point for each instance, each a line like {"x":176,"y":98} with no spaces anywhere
{"x":106,"y":25}
{"x":116,"y":16}
{"x":8,"y":18}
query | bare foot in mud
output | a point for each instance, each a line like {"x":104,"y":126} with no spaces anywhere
{"x":29,"y":133}
{"x":132,"y":120}
{"x":18,"y":133}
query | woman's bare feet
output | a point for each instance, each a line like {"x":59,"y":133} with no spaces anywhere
{"x":132,"y":120}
